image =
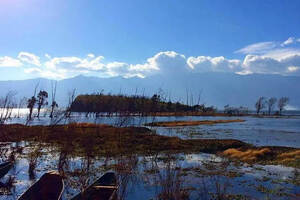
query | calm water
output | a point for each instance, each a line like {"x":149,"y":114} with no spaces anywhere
{"x":149,"y":177}
{"x":257,"y":131}
{"x":197,"y":176}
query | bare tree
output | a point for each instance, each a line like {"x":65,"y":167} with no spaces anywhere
{"x":6,"y":106}
{"x":53,"y":97}
{"x":21,"y":104}
{"x":199,"y":97}
{"x":41,"y":101}
{"x":260,"y":104}
{"x":187,"y":96}
{"x":31,"y":102}
{"x":271,"y":103}
{"x":71,"y":100}
{"x":282,"y":103}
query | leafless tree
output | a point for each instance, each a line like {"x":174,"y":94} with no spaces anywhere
{"x":70,"y":102}
{"x":53,"y":97}
{"x":7,"y":103}
{"x":41,"y":101}
{"x":282,"y":103}
{"x":260,"y":104}
{"x":31,"y":103}
{"x":187,"y":96}
{"x":271,"y":103}
{"x":21,"y":104}
{"x":199,"y":97}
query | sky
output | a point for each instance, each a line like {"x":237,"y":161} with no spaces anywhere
{"x":61,"y":39}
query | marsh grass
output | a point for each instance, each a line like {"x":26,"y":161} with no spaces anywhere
{"x":105,"y":140}
{"x":109,"y":140}
{"x":265,"y":155}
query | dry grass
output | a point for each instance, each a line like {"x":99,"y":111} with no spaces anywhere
{"x":115,"y":140}
{"x":87,"y":125}
{"x":249,"y":155}
{"x":192,"y":123}
{"x":292,"y":154}
{"x":266,"y":155}
{"x":289,"y":157}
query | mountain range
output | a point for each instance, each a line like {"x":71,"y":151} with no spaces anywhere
{"x":217,"y":89}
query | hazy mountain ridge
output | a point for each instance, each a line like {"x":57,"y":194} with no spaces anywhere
{"x":217,"y":89}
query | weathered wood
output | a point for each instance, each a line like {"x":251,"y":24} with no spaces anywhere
{"x":105,"y":188}
{"x":49,"y":187}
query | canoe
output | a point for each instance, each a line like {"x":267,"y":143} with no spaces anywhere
{"x":49,"y":187}
{"x":4,"y":168}
{"x":105,"y":188}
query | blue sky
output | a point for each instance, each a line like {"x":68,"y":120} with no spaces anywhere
{"x":141,"y":37}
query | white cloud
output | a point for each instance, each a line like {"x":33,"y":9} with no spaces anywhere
{"x":94,"y":64}
{"x":267,"y":47}
{"x":293,"y":69}
{"x":47,"y":56}
{"x":258,"y":48}
{"x":32,"y":70}
{"x":268,"y":65}
{"x":266,"y":58}
{"x":7,"y":61}
{"x":91,"y":55}
{"x":163,"y":61}
{"x":282,"y":53}
{"x":215,"y":64}
{"x":290,"y":40}
{"x":62,"y":62}
{"x":271,"y":58}
{"x":29,"y":58}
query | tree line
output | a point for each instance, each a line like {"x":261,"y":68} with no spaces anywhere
{"x":98,"y":103}
{"x":270,"y":103}
{"x":123,"y":104}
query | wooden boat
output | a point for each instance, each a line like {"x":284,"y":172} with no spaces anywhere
{"x":4,"y":168}
{"x":49,"y":187}
{"x":105,"y":188}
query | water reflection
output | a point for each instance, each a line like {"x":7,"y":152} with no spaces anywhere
{"x":153,"y":176}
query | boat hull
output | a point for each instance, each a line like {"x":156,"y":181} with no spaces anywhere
{"x":4,"y":168}
{"x":49,"y":187}
{"x":104,"y":188}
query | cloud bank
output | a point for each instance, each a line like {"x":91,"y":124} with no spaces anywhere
{"x":271,"y":57}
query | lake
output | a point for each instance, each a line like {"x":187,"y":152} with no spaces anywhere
{"x":164,"y":176}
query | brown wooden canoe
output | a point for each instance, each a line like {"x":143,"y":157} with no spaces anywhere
{"x":4,"y":168}
{"x":49,"y":187}
{"x":105,"y":188}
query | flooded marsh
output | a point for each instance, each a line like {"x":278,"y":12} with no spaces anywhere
{"x":190,"y":162}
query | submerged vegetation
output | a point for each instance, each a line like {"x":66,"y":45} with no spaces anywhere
{"x":100,"y":140}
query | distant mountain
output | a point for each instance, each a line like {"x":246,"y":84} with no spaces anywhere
{"x":218,"y":89}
